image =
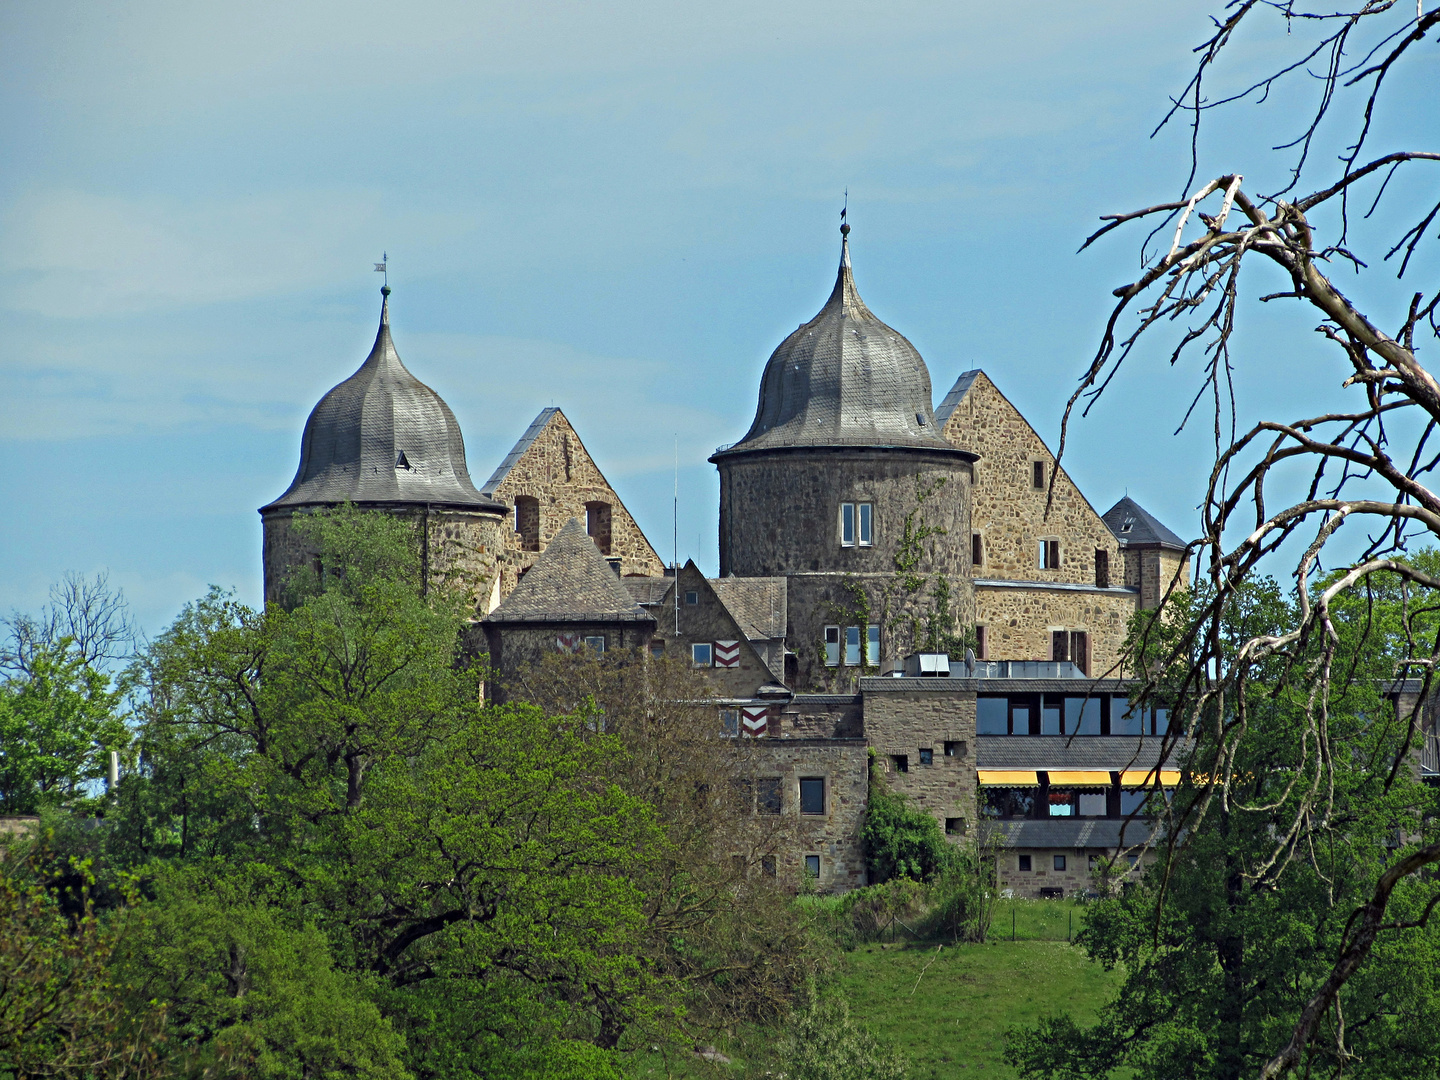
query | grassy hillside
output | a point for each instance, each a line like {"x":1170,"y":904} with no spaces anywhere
{"x":948,"y":1008}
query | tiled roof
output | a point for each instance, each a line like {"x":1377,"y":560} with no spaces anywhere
{"x":1068,"y":832}
{"x":1133,"y":524}
{"x":844,"y":379}
{"x":570,"y":582}
{"x":647,"y":591}
{"x":1109,"y":752}
{"x":758,"y":605}
{"x":518,"y":450}
{"x":955,"y":396}
{"x":383,"y":436}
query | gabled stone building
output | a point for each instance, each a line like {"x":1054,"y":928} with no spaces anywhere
{"x":859,"y":526}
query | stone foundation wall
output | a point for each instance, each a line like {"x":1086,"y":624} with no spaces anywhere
{"x":1075,"y":879}
{"x":903,"y":722}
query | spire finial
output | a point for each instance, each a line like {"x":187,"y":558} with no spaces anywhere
{"x":383,"y":267}
{"x":844,"y":208}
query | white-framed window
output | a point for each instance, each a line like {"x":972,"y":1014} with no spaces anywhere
{"x":872,"y":644}
{"x":701,"y":654}
{"x":865,"y":512}
{"x":847,"y":524}
{"x":852,"y":646}
{"x":730,"y":722}
{"x":595,"y":643}
{"x":812,"y":867}
{"x":692,"y":598}
{"x":832,"y":646}
{"x":1049,"y":554}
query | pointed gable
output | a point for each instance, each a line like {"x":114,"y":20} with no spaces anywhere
{"x":737,"y":662}
{"x":549,"y":477}
{"x":570,"y":582}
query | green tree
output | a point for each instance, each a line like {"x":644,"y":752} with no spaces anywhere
{"x":900,"y":839}
{"x":59,"y":721}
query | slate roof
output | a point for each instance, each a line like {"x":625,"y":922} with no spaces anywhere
{"x":844,"y":379}
{"x":570,"y":583}
{"x":383,"y":436}
{"x":1132,"y":524}
{"x":647,"y":591}
{"x":1108,"y":752}
{"x":757,"y":604}
{"x":1068,"y":832}
{"x":955,"y":396}
{"x":518,"y":450}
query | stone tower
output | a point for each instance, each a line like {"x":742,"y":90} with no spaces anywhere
{"x":845,"y":485}
{"x":383,"y":440}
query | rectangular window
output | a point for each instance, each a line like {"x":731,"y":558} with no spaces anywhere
{"x":767,"y":865}
{"x":730,"y":721}
{"x":1131,"y":718}
{"x":1050,"y":716}
{"x":1020,"y":718}
{"x":872,"y":645}
{"x":900,"y":762}
{"x":847,"y":524}
{"x":692,"y":598}
{"x":956,"y":749}
{"x":1024,"y":864}
{"x":832,"y":646}
{"x":1037,"y":475}
{"x":767,"y":795}
{"x":812,"y":795}
{"x":1049,"y":554}
{"x":1082,"y":716}
{"x":1059,"y":645}
{"x":866,"y":514}
{"x":657,"y":647}
{"x":1092,"y":804}
{"x":1080,"y":651}
{"x":852,"y":646}
{"x":977,"y":550}
{"x":1059,"y":862}
{"x":992,"y":716}
{"x":955,"y":826}
{"x":1131,"y":802}
{"x":927,"y":755}
{"x":1062,"y":804}
{"x":596,"y":643}
{"x":1102,"y":568}
{"x":812,"y":867}
{"x":982,"y":644}
{"x":700,"y":655}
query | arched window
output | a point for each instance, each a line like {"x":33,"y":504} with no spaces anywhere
{"x":527,"y":522}
{"x":597,"y":524}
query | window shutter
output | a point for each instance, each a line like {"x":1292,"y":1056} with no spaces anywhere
{"x":1080,"y":650}
{"x":1052,"y":554}
{"x":1059,"y":645}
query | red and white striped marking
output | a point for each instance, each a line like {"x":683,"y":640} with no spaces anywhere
{"x":754,"y":721}
{"x":568,"y":642}
{"x":727,"y":654}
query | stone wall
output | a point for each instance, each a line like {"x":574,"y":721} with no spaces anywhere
{"x":708,"y":621}
{"x":1018,"y":622}
{"x":904,"y":717}
{"x":463,"y":550}
{"x":1152,"y":569}
{"x":834,"y":835}
{"x":559,"y":473}
{"x":1077,"y":877}
{"x":780,"y":515}
{"x":520,"y":645}
{"x":1008,"y":510}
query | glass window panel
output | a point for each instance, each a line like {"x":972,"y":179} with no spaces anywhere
{"x":1126,"y":718}
{"x":700,"y":654}
{"x":832,"y":646}
{"x":1059,"y":862}
{"x":865,"y":523}
{"x":852,"y":646}
{"x":812,"y":795}
{"x":872,"y":644}
{"x":927,"y":756}
{"x":1092,"y":804}
{"x":1050,"y":718}
{"x":812,"y":866}
{"x":767,"y":795}
{"x":1061,"y":809}
{"x":1024,"y":864}
{"x":1020,"y":720}
{"x":1131,"y":801}
{"x":992,"y":716}
{"x":1162,"y":720}
{"x":1090,"y":717}
{"x":847,"y":524}
{"x":730,"y":721}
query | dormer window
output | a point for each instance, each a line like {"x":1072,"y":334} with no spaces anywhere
{"x":401,"y":461}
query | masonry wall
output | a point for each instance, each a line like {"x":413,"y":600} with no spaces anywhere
{"x":461,"y":550}
{"x":520,"y":645}
{"x":1018,"y":622}
{"x":905,"y":716}
{"x":1009,"y":511}
{"x":1075,"y":879}
{"x":708,"y":621}
{"x":560,"y":474}
{"x":833,"y":835}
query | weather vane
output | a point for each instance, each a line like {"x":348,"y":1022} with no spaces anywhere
{"x":383,"y":267}
{"x":845,"y":206}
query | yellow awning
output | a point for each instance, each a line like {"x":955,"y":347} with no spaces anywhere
{"x":1079,"y":779}
{"x":1007,"y":778}
{"x":1146,"y":778}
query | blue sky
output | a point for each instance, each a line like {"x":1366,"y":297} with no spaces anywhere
{"x":619,"y":209}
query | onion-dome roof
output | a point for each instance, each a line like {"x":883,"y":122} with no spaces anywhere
{"x":844,"y":379}
{"x":383,"y":436}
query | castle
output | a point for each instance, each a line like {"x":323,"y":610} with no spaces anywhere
{"x":868,"y":542}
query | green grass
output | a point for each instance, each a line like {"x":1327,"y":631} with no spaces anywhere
{"x":951,"y":1017}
